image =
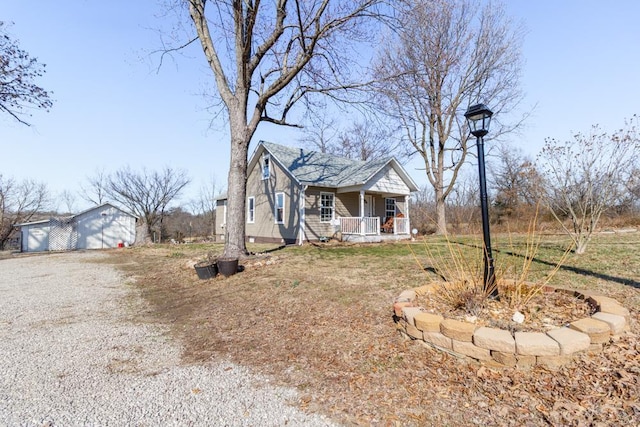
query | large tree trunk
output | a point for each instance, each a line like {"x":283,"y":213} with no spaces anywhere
{"x":235,"y":245}
{"x":441,"y":218}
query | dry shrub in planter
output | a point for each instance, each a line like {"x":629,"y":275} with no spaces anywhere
{"x":207,"y":267}
{"x":457,"y":275}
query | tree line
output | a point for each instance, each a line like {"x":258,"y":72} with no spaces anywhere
{"x":570,"y":185}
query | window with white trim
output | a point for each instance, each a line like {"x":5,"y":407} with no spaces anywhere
{"x":279,"y":208}
{"x":266,"y":166}
{"x":251,"y":210}
{"x":389,"y":208}
{"x":327,"y":207}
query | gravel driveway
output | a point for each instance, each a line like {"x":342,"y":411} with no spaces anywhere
{"x":72,"y":354}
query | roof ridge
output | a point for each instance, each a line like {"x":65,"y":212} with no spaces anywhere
{"x":313,"y":167}
{"x":309,"y":151}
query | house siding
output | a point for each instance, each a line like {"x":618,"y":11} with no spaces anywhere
{"x":387,"y":180}
{"x":265,"y":228}
{"x":221,"y":219}
{"x":314,"y":228}
{"x":349,"y":205}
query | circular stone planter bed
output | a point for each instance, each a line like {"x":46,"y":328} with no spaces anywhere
{"x":552,"y":348}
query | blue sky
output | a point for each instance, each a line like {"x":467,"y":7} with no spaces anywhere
{"x":113,"y":108}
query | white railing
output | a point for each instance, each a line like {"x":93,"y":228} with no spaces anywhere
{"x":360,"y":225}
{"x":401,"y":225}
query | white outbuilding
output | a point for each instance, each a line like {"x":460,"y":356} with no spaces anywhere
{"x":100,"y":227}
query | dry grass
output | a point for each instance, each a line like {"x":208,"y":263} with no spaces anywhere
{"x":319,"y":319}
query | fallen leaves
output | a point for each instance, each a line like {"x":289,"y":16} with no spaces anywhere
{"x":348,"y":362}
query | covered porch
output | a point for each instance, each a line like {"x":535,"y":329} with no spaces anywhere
{"x":381,"y":216}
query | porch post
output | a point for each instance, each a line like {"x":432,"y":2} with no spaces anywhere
{"x":406,"y":209}
{"x":302,"y":214}
{"x":362,"y":220}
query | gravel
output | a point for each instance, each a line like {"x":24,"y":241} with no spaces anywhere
{"x":73,"y":354}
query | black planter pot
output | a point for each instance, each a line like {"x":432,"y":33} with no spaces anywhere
{"x":227,"y":266}
{"x":206,"y":270}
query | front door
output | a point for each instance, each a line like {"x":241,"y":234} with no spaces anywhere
{"x":369,"y":208}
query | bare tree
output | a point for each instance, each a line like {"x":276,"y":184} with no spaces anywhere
{"x":586,"y":176}
{"x":19,"y":202}
{"x":146,"y":194}
{"x":633,"y":190}
{"x":447,"y":55}
{"x":205,"y":206}
{"x":320,"y":134}
{"x":266,"y":57}
{"x":368,"y":141}
{"x":422,"y":208}
{"x":463,"y":203}
{"x":68,"y":200}
{"x":178,"y":224}
{"x":516,"y":182}
{"x":95,"y":191}
{"x":17,"y":74}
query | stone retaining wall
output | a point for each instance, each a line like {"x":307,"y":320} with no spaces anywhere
{"x":523,"y":349}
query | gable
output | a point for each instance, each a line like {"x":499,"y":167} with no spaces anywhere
{"x":387,"y":180}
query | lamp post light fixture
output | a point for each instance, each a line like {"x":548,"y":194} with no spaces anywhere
{"x":479,"y":117}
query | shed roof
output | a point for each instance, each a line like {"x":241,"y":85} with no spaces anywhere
{"x":68,"y":218}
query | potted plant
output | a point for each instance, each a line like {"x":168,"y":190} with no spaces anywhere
{"x":228,"y":266}
{"x":207,"y":268}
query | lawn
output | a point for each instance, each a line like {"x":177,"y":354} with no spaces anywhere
{"x":319,"y":318}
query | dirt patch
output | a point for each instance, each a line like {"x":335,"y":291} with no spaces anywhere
{"x":319,"y":319}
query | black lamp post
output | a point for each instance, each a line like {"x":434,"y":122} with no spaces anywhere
{"x":479,"y":117}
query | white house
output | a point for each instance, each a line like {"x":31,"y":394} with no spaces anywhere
{"x":100,"y":227}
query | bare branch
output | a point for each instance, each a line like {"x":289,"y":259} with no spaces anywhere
{"x":443,"y":57}
{"x":168,"y":50}
{"x":18,"y":72}
{"x":586,"y":177}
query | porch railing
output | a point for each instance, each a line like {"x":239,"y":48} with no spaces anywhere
{"x":401,"y":225}
{"x":360,"y":225}
{"x":371,"y":225}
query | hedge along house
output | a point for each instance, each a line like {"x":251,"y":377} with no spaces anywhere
{"x":100,"y":227}
{"x":295,"y":195}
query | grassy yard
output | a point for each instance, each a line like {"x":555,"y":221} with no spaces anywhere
{"x":319,"y":318}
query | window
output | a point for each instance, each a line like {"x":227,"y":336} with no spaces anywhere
{"x":326,"y":207}
{"x":279,"y":208}
{"x":389,"y":208}
{"x":251,"y":210}
{"x":266,"y":164}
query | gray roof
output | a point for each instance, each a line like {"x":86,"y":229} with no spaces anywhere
{"x":69,"y":218}
{"x":324,"y":170}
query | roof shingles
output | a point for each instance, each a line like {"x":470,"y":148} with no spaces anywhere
{"x":324,"y":170}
